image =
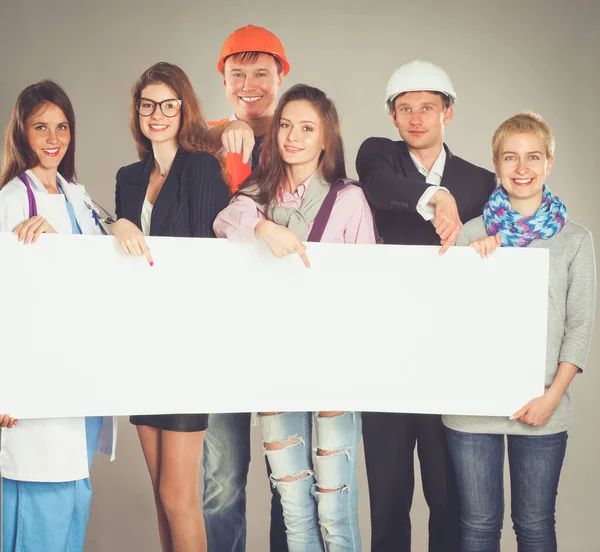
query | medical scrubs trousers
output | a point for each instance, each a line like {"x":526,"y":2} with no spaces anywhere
{"x":49,"y":517}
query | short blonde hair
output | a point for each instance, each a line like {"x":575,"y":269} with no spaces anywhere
{"x":526,"y":122}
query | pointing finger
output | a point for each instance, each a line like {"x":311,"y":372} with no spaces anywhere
{"x":148,"y":255}
{"x":302,"y":252}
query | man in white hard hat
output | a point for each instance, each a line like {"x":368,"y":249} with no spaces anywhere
{"x":421,"y":192}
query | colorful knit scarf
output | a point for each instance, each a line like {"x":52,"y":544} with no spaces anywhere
{"x":518,"y":230}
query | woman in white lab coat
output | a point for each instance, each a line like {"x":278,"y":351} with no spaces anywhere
{"x":44,"y":463}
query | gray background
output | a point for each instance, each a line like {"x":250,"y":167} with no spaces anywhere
{"x":503,"y":57}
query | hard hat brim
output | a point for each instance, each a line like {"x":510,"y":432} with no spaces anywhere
{"x":285,"y":65}
{"x":388,"y":102}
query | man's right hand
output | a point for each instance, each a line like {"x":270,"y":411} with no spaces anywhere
{"x":446,"y":221}
{"x":238,"y":137}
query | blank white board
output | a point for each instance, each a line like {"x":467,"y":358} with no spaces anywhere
{"x":217,"y":326}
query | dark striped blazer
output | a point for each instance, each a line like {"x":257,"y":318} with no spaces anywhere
{"x":192,"y":195}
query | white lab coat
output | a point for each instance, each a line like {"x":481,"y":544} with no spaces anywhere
{"x":50,"y":450}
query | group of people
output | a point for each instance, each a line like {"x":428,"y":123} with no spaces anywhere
{"x":275,"y":171}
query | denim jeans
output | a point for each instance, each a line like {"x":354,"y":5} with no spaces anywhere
{"x":226,"y":461}
{"x":306,"y":510}
{"x":535,"y":464}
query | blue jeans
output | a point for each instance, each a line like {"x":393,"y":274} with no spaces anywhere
{"x":226,"y":461}
{"x":49,"y":516}
{"x":535,"y":464}
{"x":306,"y":510}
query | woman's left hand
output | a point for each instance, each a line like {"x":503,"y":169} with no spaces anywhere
{"x":486,"y":246}
{"x":7,"y":421}
{"x":30,"y":230}
{"x":537,"y":411}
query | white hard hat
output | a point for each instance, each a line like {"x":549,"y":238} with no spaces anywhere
{"x":416,"y":76}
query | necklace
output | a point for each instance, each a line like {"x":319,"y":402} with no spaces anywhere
{"x":162,"y":175}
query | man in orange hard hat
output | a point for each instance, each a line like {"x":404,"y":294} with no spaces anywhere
{"x":253,"y":64}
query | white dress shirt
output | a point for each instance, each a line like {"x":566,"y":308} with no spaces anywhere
{"x":432,"y":177}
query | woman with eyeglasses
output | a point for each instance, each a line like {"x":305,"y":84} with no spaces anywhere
{"x":45,"y":463}
{"x":176,"y":189}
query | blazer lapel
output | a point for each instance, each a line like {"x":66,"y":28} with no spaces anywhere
{"x":168,"y":192}
{"x":448,"y":176}
{"x":407,"y":163}
{"x":136,"y":190}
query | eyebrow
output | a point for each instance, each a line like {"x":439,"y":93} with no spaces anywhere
{"x":34,"y":122}
{"x":158,"y":101}
{"x":528,"y":153}
{"x":405,"y":104}
{"x":284,"y":119}
{"x":232,"y":69}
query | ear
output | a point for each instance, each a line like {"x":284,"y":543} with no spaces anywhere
{"x":393,"y":114}
{"x":549,"y":165}
{"x":224,"y":81}
{"x":448,"y":114}
{"x":496,"y":169}
{"x":280,"y":78}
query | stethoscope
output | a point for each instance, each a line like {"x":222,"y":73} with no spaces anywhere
{"x":108,"y":219}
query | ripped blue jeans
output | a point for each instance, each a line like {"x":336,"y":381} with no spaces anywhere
{"x":323,"y":494}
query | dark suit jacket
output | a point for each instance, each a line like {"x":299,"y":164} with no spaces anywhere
{"x":191,"y":197}
{"x":393,"y":186}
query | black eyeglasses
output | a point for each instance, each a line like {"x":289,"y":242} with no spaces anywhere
{"x":169,"y":108}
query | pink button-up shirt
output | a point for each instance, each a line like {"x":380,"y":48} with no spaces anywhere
{"x":351,"y":220}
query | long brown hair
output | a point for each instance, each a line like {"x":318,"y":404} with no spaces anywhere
{"x":270,"y":173}
{"x":192,"y":136}
{"x":18,"y":155}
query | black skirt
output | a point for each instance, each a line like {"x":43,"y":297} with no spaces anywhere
{"x":173,"y":422}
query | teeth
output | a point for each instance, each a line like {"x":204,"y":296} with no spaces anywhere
{"x":523,"y":180}
{"x":250,"y":99}
{"x":54,"y":150}
{"x":158,"y":127}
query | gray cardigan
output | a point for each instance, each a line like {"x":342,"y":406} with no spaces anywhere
{"x":571,"y":309}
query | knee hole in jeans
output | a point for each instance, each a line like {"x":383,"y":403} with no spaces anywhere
{"x":280,"y":445}
{"x":332,"y":456}
{"x":330,"y":413}
{"x":321,"y":452}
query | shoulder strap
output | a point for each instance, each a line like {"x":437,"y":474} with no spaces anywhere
{"x":31,"y":198}
{"x":324,"y":213}
{"x":316,"y":232}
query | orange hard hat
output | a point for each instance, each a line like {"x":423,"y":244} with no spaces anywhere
{"x":253,"y":39}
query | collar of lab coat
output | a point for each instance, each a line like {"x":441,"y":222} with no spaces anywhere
{"x":73,"y":191}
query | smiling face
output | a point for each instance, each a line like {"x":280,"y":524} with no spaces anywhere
{"x":157,"y":127}
{"x":301,"y":137}
{"x":420,"y":118}
{"x":522,"y":166}
{"x":49,"y":135}
{"x":251,"y":87}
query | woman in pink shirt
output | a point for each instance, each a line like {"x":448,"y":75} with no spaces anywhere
{"x":297,"y":194}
